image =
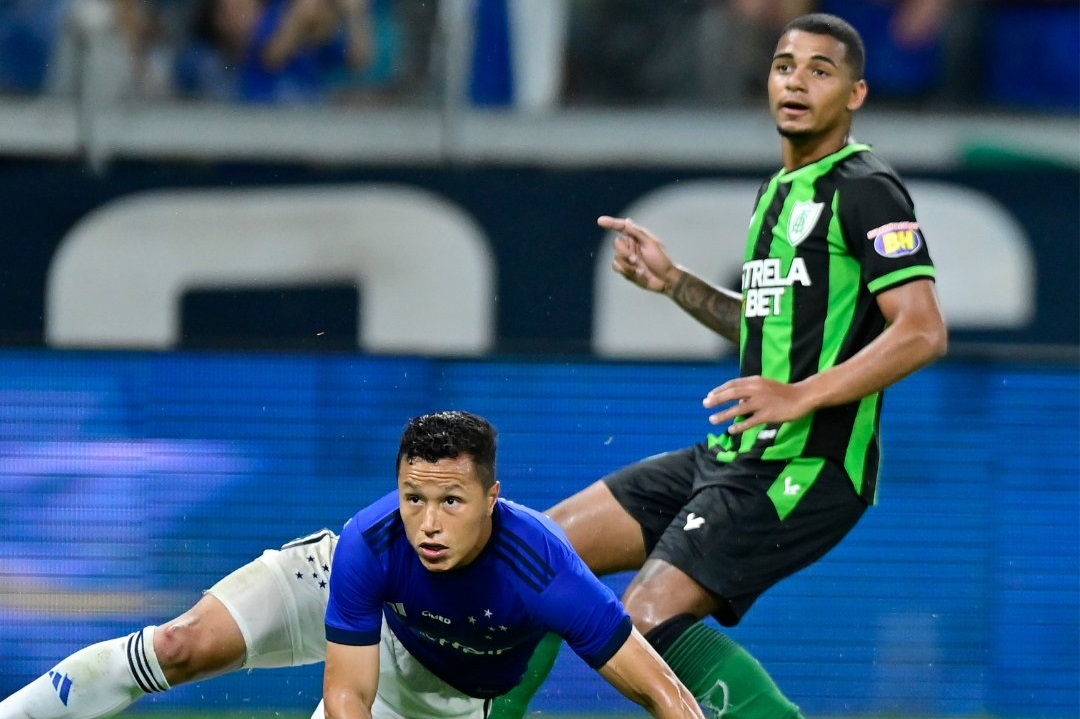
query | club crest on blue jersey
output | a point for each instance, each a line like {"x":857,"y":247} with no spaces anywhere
{"x":804,"y":217}
{"x":896,"y":239}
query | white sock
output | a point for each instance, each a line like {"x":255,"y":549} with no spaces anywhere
{"x":95,"y":682}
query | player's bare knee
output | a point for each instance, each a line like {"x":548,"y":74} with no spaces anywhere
{"x":649,"y":604}
{"x":661,"y":591}
{"x":175,"y":646}
{"x":198,"y":643}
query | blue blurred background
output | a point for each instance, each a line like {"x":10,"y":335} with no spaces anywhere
{"x":226,"y":286}
{"x":134,"y":481}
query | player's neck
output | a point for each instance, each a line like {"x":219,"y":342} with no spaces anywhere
{"x":802,"y":151}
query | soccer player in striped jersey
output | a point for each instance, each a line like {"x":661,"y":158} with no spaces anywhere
{"x":441,"y":592}
{"x":837,"y":303}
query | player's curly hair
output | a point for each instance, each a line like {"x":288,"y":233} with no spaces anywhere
{"x":820,"y":23}
{"x":448,"y":435}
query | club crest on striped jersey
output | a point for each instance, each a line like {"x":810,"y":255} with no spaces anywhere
{"x":804,"y":216}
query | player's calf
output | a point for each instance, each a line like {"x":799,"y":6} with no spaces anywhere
{"x":95,"y":682}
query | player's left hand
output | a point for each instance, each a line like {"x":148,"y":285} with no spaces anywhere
{"x":756,"y":400}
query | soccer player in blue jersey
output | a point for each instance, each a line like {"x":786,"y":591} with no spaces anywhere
{"x":438,"y":594}
{"x":441,"y":591}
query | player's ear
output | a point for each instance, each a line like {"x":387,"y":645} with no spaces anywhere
{"x":493,"y":495}
{"x":858,"y":95}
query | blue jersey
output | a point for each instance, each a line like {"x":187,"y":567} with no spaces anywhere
{"x":475,"y":626}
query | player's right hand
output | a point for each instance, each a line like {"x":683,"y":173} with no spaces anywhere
{"x":640,"y":256}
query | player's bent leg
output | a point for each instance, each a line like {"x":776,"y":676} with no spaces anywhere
{"x":103,"y":679}
{"x":602,"y":532}
{"x":278,"y":602}
{"x":667,"y":606}
{"x":268,"y":613}
{"x":615,"y":523}
{"x":203,"y":642}
{"x":95,"y":682}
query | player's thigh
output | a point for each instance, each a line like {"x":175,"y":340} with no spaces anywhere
{"x":730,"y":537}
{"x":615,"y":522}
{"x":278,"y":602}
{"x":600,"y":530}
{"x":408,"y":690}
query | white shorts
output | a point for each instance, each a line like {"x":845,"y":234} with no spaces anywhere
{"x":279,"y":602}
{"x":407,"y":690}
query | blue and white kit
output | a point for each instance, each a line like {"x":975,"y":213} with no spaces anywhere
{"x":474,"y":627}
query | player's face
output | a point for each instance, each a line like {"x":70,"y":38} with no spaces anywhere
{"x":447,"y":512}
{"x":812,"y":93}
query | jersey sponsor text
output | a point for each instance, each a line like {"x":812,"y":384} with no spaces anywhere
{"x":764,"y":284}
{"x":463,"y":648}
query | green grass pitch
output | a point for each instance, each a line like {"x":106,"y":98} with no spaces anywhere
{"x":237,"y":714}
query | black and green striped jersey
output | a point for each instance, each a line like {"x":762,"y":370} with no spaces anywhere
{"x":823,"y":241}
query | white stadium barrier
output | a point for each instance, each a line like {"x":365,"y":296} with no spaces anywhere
{"x":423,"y":266}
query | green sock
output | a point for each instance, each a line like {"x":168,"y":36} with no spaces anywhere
{"x":515,"y":703}
{"x":725,"y":678}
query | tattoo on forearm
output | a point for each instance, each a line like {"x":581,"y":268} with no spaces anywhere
{"x":712,"y":307}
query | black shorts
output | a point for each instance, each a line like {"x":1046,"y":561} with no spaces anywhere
{"x":737,"y":528}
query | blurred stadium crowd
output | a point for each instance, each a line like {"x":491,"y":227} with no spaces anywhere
{"x":933,"y":54}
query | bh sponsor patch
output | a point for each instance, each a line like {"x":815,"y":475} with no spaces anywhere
{"x":896,"y":239}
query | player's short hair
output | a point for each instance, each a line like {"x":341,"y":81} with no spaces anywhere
{"x":820,"y":23}
{"x":448,"y":435}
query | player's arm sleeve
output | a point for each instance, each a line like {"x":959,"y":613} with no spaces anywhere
{"x":354,"y":611}
{"x":879,"y":223}
{"x":583,"y":611}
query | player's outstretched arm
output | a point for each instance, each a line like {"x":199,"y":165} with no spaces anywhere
{"x":642,"y":676}
{"x":350,"y":680}
{"x":640,"y":257}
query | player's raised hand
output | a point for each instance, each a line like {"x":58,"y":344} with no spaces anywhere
{"x":756,"y":400}
{"x":640,"y":256}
